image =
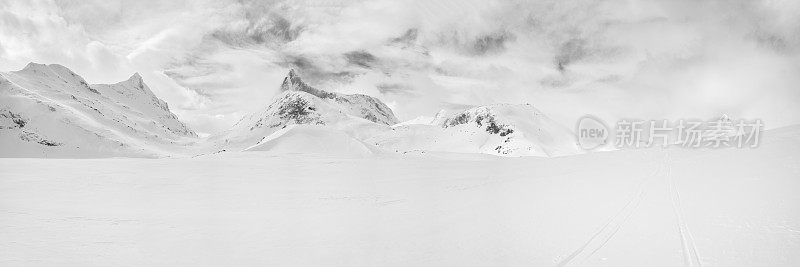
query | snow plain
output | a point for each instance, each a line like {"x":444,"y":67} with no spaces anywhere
{"x":649,"y":207}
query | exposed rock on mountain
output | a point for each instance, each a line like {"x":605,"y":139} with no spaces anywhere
{"x":501,"y":129}
{"x":300,"y":104}
{"x":357,"y":105}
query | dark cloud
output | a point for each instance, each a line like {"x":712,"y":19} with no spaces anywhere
{"x":491,"y":43}
{"x":409,"y":37}
{"x":312,"y":71}
{"x":570,"y":51}
{"x":472,"y":44}
{"x":361,"y":58}
{"x":775,"y":42}
{"x":270,"y":30}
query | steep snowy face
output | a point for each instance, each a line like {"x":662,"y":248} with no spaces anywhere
{"x":49,"y":111}
{"x":134,"y":95}
{"x":358,"y":105}
{"x":501,"y":129}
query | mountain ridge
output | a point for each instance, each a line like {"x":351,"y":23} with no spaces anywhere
{"x":49,"y":110}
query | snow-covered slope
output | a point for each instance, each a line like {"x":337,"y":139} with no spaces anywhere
{"x":500,"y":129}
{"x":314,"y":140}
{"x":49,"y":111}
{"x":646,"y":207}
{"x":356,"y":116}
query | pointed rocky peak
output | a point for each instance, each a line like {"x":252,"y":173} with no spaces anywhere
{"x":358,"y":105}
{"x":136,"y":82}
{"x":136,"y":77}
{"x":292,"y":82}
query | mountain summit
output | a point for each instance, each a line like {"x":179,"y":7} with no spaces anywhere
{"x":358,"y":105}
{"x":299,"y":103}
{"x":292,"y":82}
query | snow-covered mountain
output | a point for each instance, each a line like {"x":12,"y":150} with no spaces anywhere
{"x":321,"y":114}
{"x":500,"y":129}
{"x":317,"y":121}
{"x":49,"y":111}
{"x":357,"y":105}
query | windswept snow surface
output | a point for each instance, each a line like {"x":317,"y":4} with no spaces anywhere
{"x":654,"y":207}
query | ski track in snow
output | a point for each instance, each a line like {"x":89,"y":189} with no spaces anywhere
{"x":688,"y":246}
{"x":601,"y":237}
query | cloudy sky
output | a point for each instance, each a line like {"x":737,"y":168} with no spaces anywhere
{"x":217,"y":60}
